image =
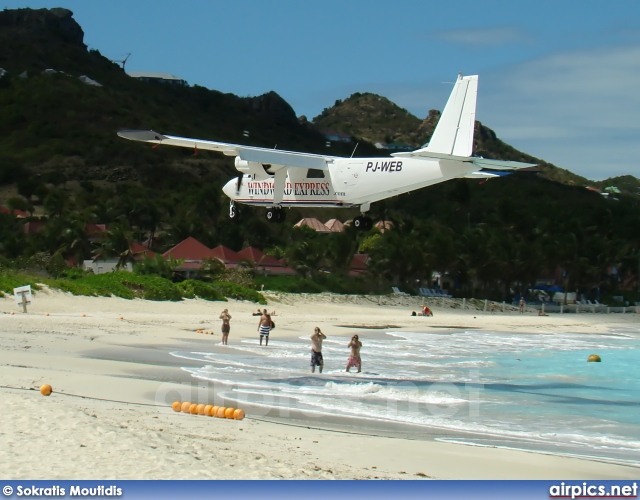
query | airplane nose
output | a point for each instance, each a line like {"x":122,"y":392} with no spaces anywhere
{"x":230,"y":188}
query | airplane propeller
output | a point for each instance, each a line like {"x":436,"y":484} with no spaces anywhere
{"x":239,"y":183}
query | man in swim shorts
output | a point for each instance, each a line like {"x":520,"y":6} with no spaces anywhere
{"x":354,"y":357}
{"x":316,"y":350}
{"x":226,"y":326}
{"x":264,"y":327}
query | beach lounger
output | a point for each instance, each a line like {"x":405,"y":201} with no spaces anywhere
{"x":397,"y":291}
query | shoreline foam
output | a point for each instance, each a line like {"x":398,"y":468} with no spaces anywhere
{"x":90,"y":438}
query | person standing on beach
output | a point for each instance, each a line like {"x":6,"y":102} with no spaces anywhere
{"x":264,"y":327}
{"x":316,"y":350}
{"x":226,"y":326}
{"x":354,"y":357}
{"x":521,"y":305}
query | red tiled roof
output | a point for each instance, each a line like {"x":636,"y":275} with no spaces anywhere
{"x":226,"y":255}
{"x":140,"y":250}
{"x":190,"y":249}
{"x":335,"y":225}
{"x":384,"y":225}
{"x":258,"y":257}
{"x":94,"y":229}
{"x":314,"y":224}
{"x":359,"y":261}
{"x":19,"y":214}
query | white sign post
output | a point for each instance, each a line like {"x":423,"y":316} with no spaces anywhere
{"x":22,"y":294}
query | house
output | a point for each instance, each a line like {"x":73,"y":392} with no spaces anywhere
{"x":358,"y":264}
{"x":226,"y":255}
{"x":334,"y":225}
{"x":314,"y":224}
{"x":383,"y":225}
{"x":152,"y":77}
{"x":18,"y":214}
{"x":399,"y":146}
{"x":265,"y":264}
{"x":335,"y":136}
{"x":193,"y":253}
{"x":101,"y":265}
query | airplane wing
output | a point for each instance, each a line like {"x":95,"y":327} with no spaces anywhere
{"x":247,"y":153}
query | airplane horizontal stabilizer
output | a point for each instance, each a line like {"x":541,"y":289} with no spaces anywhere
{"x":500,"y":164}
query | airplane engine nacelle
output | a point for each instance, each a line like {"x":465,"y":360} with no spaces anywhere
{"x":253,"y":168}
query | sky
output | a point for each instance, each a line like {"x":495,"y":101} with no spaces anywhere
{"x":558,"y":79}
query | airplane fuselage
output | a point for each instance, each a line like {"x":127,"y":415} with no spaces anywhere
{"x":348,"y":182}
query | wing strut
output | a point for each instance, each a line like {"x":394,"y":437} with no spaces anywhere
{"x":279,"y":178}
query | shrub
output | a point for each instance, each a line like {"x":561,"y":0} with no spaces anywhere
{"x":194,"y":288}
{"x":239,"y":292}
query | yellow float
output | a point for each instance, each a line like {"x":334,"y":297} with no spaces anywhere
{"x":238,"y":414}
{"x":176,"y":406}
{"x":46,"y":390}
{"x":594,"y":358}
{"x":185,"y":407}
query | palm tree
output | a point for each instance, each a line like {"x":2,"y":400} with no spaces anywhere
{"x":116,"y":242}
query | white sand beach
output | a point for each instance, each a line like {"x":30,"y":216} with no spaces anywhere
{"x":108,"y":362}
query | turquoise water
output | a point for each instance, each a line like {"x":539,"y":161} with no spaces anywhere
{"x":514,"y":390}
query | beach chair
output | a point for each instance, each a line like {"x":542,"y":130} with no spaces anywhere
{"x":396,"y":291}
{"x":424,"y":292}
{"x":440,"y":293}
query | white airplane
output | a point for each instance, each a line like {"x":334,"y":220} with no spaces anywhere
{"x":276,"y":179}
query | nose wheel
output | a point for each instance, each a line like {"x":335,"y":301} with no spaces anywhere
{"x":234,"y":214}
{"x":275,"y":214}
{"x":363,"y":223}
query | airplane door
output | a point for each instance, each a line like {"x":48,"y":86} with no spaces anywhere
{"x":348,"y":175}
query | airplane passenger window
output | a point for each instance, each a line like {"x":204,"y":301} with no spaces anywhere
{"x":314,"y":173}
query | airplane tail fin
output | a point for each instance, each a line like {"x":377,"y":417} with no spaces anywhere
{"x":454,"y":133}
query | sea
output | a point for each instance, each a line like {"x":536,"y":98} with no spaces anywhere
{"x":533,"y":392}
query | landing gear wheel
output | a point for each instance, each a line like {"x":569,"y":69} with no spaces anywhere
{"x":282,"y":216}
{"x":272,"y":214}
{"x":362,"y":223}
{"x":234,"y":214}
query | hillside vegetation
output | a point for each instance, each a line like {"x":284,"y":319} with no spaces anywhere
{"x":62,"y":163}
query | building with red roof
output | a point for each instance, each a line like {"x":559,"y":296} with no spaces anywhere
{"x":314,"y":224}
{"x":334,"y":225}
{"x":18,"y":214}
{"x":190,"y":250}
{"x":226,"y":255}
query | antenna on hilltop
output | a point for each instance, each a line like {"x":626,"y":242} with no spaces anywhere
{"x":123,"y":61}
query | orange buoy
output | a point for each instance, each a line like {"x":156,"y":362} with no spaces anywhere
{"x":213,"y":411}
{"x":46,"y":314}
{"x":220,"y":412}
{"x":12,"y":313}
{"x":200,"y":409}
{"x":228,"y":413}
{"x":193,"y":409}
{"x":238,"y":414}
{"x":46,"y":390}
{"x":84,"y":315}
{"x":120,"y":317}
{"x":198,"y":331}
{"x":594,"y":358}
{"x":207,"y":410}
{"x":185,"y":406}
{"x":176,"y":406}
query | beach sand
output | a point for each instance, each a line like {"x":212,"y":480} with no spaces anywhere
{"x":109,"y":416}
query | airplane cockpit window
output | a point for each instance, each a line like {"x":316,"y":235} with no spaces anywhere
{"x":314,"y":173}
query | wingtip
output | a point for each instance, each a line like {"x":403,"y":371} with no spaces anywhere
{"x":141,"y":135}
